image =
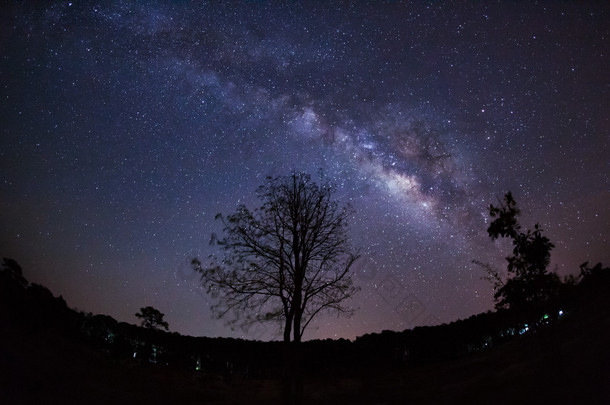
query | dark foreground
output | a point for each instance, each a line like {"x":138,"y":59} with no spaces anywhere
{"x":568,"y":362}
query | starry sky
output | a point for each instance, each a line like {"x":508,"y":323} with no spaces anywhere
{"x":125,"y":128}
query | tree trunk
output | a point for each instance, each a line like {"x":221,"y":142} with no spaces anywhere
{"x":295,"y":353}
{"x":298,"y":372}
{"x":292,"y":389}
{"x":287,"y":329}
{"x":293,"y":377}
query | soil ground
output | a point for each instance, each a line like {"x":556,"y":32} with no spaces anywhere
{"x":566,"y":363}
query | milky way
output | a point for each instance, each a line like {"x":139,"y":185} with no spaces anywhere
{"x":126,"y":128}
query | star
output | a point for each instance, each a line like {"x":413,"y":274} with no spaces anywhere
{"x":126,"y":128}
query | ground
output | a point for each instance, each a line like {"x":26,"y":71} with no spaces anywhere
{"x":566,"y":363}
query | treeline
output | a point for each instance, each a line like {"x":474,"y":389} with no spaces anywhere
{"x":33,"y":307}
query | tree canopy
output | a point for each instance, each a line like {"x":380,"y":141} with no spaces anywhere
{"x":528,"y":282}
{"x":11,"y":272}
{"x":152,"y":318}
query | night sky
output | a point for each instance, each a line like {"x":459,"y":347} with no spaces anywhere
{"x":126,"y":128}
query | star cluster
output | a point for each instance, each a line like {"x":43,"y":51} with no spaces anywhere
{"x":127,"y":127}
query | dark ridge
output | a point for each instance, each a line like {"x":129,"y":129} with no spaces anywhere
{"x":51,"y":353}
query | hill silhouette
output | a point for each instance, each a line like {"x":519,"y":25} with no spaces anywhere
{"x":51,"y":353}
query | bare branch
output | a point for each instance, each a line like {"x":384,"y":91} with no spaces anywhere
{"x":287,"y":260}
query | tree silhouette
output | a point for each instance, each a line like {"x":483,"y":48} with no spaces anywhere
{"x":286,"y":261}
{"x":11,"y":273}
{"x":152,"y":318}
{"x":529,"y":282}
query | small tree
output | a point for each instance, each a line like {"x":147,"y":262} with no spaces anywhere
{"x":529,"y":282}
{"x":288,"y":260}
{"x":11,"y":273}
{"x":152,"y":318}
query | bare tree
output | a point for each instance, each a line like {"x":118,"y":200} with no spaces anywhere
{"x":287,"y":261}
